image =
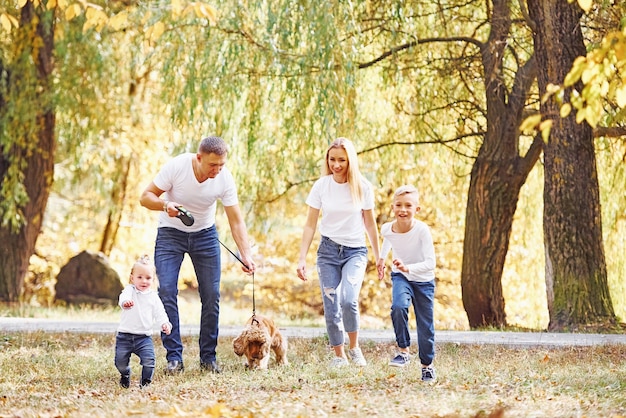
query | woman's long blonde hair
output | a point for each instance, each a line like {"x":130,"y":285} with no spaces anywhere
{"x":354,"y":175}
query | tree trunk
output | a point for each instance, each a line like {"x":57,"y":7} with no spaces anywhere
{"x":576,"y":277}
{"x":496,"y":179}
{"x":32,"y":154}
{"x":118,"y":199}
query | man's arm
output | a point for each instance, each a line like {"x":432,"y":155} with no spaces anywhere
{"x":240,"y":235}
{"x":150,"y":199}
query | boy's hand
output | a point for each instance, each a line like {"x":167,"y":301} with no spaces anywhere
{"x":380,"y":266}
{"x":400,"y":265}
{"x":166,"y":328}
{"x":127,"y":304}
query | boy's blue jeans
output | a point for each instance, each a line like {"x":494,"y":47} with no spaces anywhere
{"x":421,"y":295}
{"x":204,"y":251}
{"x":141,"y":345}
{"x":341,"y":271}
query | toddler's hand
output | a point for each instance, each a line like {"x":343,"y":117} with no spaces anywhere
{"x":127,"y":304}
{"x":166,"y":328}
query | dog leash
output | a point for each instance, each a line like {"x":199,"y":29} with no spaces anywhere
{"x":244,"y":264}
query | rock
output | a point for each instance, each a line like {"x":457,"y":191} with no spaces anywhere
{"x":88,"y":278}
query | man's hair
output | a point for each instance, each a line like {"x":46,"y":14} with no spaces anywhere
{"x":213,"y":145}
{"x":407,"y":189}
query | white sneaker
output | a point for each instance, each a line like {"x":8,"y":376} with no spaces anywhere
{"x":357,"y":356}
{"x":338,"y":362}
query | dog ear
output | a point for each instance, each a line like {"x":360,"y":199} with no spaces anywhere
{"x":239,"y":345}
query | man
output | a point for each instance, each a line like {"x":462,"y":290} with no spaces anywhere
{"x":195,"y":182}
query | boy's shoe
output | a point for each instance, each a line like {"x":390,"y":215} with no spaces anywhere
{"x":428,"y":374}
{"x":125,"y":381}
{"x":338,"y":362}
{"x":356,"y":355}
{"x":400,"y":360}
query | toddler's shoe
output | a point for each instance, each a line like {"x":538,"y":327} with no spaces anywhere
{"x":125,"y":381}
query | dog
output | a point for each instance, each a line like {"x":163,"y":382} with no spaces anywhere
{"x":257,"y":339}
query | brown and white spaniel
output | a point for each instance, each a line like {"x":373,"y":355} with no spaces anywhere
{"x":257,"y":339}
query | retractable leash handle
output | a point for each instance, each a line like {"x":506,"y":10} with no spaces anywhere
{"x":185,"y":216}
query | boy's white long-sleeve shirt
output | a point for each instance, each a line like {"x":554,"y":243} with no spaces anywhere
{"x":414,"y":248}
{"x":146,"y":311}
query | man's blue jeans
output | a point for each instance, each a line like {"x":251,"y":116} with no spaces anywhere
{"x":204,"y":251}
{"x":341,"y":271}
{"x":421,"y":295}
{"x":141,"y":345}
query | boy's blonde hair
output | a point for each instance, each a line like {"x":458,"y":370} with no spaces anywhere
{"x":354,"y":175}
{"x":408,"y":189}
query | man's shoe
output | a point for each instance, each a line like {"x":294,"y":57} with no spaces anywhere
{"x":174,"y":367}
{"x":145,"y":382}
{"x":125,"y":381}
{"x":212,"y":367}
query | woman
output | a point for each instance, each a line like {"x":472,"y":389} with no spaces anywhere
{"x":346,"y":200}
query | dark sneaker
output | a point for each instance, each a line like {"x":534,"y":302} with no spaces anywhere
{"x":145,"y":382}
{"x":212,"y":367}
{"x":400,"y":360}
{"x":174,"y":367}
{"x":125,"y":381}
{"x":428,"y":374}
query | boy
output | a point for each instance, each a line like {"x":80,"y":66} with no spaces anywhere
{"x":141,"y":308}
{"x":412,"y":277}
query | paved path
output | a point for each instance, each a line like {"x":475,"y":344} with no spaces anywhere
{"x":512,"y":339}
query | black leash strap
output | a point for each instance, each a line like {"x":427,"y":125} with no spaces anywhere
{"x":244,"y":264}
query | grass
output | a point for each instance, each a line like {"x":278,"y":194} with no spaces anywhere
{"x":72,"y":375}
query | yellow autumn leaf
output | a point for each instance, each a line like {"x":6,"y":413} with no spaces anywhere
{"x":21,"y":3}
{"x":566,"y":109}
{"x":72,"y":11}
{"x":205,"y":11}
{"x":176,"y":8}
{"x":51,"y":4}
{"x":117,"y":21}
{"x":155,"y":31}
{"x":620,"y":96}
{"x":530,"y":123}
{"x":585,"y":5}
{"x":5,"y":22}
{"x":544,"y":128}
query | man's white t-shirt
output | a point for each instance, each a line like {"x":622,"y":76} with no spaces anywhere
{"x":342,"y":220}
{"x":414,"y":248}
{"x":180,"y":185}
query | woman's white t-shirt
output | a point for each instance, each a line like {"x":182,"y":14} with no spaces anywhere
{"x":342,"y":219}
{"x":180,"y":185}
